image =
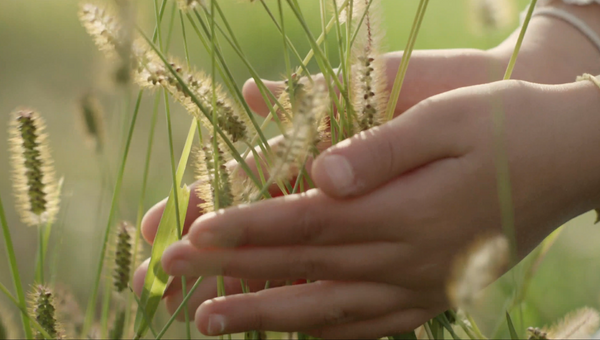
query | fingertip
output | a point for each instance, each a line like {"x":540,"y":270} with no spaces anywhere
{"x":139,"y":276}
{"x":151,"y":220}
{"x":255,"y":99}
{"x":177,"y":252}
{"x":334,"y":174}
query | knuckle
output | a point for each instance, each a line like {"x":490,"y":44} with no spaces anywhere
{"x":311,"y":223}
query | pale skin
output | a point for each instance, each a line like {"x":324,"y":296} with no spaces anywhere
{"x":417,"y":191}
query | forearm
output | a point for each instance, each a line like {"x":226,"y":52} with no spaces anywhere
{"x":554,"y":51}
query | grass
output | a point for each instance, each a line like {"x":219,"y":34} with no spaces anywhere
{"x":327,"y":42}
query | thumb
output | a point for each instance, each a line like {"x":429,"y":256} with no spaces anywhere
{"x":255,"y":99}
{"x":372,"y":158}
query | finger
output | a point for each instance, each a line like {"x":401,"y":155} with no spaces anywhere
{"x":424,"y":134}
{"x":139,"y":276}
{"x":351,"y":262}
{"x":151,"y":220}
{"x":311,"y":218}
{"x":315,"y":305}
{"x":207,"y":290}
{"x":255,"y":99}
{"x":401,"y":322}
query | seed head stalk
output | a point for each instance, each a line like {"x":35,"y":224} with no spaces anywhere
{"x":114,"y":202}
{"x":391,"y":107}
{"x":502,"y":166}
{"x":14,"y":270}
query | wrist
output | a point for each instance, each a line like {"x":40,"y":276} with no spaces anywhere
{"x":554,"y":51}
{"x":578,"y":170}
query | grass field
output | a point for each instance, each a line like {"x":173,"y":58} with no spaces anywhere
{"x":47,"y":61}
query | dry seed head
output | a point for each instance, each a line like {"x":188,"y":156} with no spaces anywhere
{"x":92,"y":120}
{"x":537,"y":334}
{"x":479,"y":267}
{"x":123,"y":256}
{"x":358,"y":8}
{"x":35,"y":187}
{"x":368,"y":68}
{"x":580,"y":324}
{"x":118,"y":328}
{"x":189,"y":4}
{"x":212,"y":187}
{"x":311,"y":107}
{"x":103,"y":26}
{"x":152,"y":72}
{"x":491,"y":14}
{"x":42,"y":310}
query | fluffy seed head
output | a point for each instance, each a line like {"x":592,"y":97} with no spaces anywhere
{"x":482,"y":264}
{"x":152,"y":73}
{"x":123,"y":256}
{"x":302,"y":136}
{"x":537,"y":334}
{"x":35,"y":187}
{"x":103,"y":26}
{"x":92,"y":120}
{"x":358,"y":8}
{"x":215,"y":185}
{"x":118,"y":329}
{"x":42,"y":310}
{"x":580,"y":324}
{"x":491,"y":14}
{"x":368,"y":68}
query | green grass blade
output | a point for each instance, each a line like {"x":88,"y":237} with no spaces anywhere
{"x":24,"y":312}
{"x":89,"y":319}
{"x":14,"y":271}
{"x":156,"y":279}
{"x":398,"y":82}
{"x":511,"y":327}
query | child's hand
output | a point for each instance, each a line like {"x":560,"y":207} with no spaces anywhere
{"x":430,"y":73}
{"x":394,"y":206}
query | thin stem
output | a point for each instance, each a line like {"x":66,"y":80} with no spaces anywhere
{"x":399,"y":81}
{"x":502,"y":166}
{"x":14,"y":270}
{"x":25,"y":314}
{"x":140,"y":211}
{"x":178,"y":310}
{"x":39,"y":273}
{"x":111,"y":216}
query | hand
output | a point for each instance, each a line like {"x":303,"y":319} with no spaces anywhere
{"x":430,"y":73}
{"x":382,"y":230}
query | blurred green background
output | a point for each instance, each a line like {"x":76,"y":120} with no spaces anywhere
{"x":48,"y":62}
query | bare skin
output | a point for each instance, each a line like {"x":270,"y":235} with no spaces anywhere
{"x":418,"y":190}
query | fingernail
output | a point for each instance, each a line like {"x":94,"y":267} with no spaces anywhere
{"x":216,"y":324}
{"x":180,"y":268}
{"x":340,"y":173}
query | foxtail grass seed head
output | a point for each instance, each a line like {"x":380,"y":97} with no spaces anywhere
{"x":113,"y":36}
{"x":300,"y":139}
{"x":368,"y":68}
{"x":536,"y":334}
{"x":479,"y":267}
{"x":489,"y":15}
{"x":35,"y":187}
{"x":215,"y":185}
{"x":118,"y":326}
{"x":123,"y":256}
{"x":358,"y":8}
{"x":580,"y":324}
{"x":91,"y":117}
{"x":42,"y":310}
{"x":152,"y":73}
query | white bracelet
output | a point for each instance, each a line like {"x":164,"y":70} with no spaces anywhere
{"x":586,"y":30}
